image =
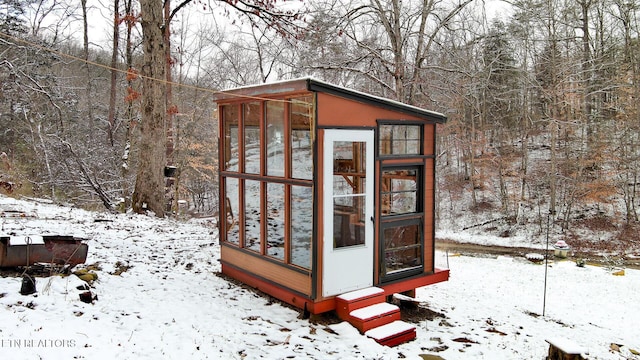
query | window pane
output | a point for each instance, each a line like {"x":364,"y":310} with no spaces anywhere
{"x":275,"y":138}
{"x":349,"y":193}
{"x":348,"y":227}
{"x":349,"y":159}
{"x":385,"y":139}
{"x":400,"y":139}
{"x":301,"y":225}
{"x":230,"y":120}
{"x":232,"y":203}
{"x":399,"y":191}
{"x":252,"y":215}
{"x":408,"y":139}
{"x":301,"y":116}
{"x":251,"y":137}
{"x":275,"y":220}
{"x":403,"y":248}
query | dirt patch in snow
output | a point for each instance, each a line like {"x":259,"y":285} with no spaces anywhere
{"x":594,"y":256}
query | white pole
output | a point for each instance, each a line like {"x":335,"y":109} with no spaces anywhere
{"x":546,"y":267}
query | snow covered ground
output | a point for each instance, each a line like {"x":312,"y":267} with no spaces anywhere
{"x":169,"y":303}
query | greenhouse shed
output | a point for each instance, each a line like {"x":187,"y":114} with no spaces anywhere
{"x":326,"y":191}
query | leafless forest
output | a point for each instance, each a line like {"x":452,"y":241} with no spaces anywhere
{"x":541,"y":97}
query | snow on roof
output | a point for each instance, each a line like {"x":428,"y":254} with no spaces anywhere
{"x":313,"y":84}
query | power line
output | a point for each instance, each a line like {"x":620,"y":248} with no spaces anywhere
{"x":107,"y":67}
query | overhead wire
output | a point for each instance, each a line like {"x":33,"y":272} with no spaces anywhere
{"x":107,"y":67}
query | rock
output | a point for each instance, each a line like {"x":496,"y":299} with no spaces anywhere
{"x":83,"y":287}
{"x":88,"y":297}
{"x":431,"y":357}
{"x":89,"y":277}
{"x":28,"y":285}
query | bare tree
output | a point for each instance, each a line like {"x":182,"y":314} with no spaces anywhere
{"x":111,"y":117}
{"x":149,"y":189}
{"x":390,"y":41}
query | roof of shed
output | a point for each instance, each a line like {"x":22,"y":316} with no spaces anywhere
{"x":268,"y":90}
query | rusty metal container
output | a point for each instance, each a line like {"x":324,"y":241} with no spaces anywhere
{"x":53,"y":249}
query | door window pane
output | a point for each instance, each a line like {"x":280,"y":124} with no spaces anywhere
{"x":349,"y":193}
{"x":301,"y":225}
{"x":275,"y":138}
{"x":230,"y":120}
{"x":348,"y":227}
{"x":251,"y":137}
{"x":275,"y":220}
{"x":301,"y":115}
{"x":252,"y":215}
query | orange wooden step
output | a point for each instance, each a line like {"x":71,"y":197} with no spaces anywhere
{"x":392,"y":334}
{"x":358,"y":299}
{"x":373,"y":316}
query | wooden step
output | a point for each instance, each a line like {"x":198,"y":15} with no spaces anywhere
{"x":392,"y":334}
{"x":373,"y":316}
{"x":358,"y":299}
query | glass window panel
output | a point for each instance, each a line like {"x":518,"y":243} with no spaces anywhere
{"x":349,"y":159}
{"x":232,"y":207}
{"x":342,"y":189}
{"x":400,"y":139}
{"x":230,"y":120}
{"x":275,"y":138}
{"x":348,"y":227}
{"x":399,"y":191}
{"x":385,"y":139}
{"x":403,"y":248}
{"x":252,"y":215}
{"x":301,"y":225}
{"x":251,"y":137}
{"x":343,"y":159}
{"x":301,"y":115}
{"x":348,"y":193}
{"x":275,"y":220}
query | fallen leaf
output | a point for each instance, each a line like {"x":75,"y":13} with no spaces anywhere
{"x":496,"y":331}
{"x":464,"y":340}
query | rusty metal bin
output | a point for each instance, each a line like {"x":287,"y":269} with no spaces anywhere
{"x":53,"y":249}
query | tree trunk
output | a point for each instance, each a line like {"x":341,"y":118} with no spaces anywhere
{"x":126,"y":153}
{"x":114,"y":71}
{"x":149,"y":189}
{"x":170,"y":183}
{"x":88,"y":90}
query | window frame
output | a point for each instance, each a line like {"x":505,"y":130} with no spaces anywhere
{"x":412,"y":161}
{"x":419,"y":190}
{"x":286,"y":182}
{"x":399,"y":274}
{"x":400,"y":122}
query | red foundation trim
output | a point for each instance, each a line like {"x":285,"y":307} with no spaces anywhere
{"x":401,"y":286}
{"x":280,"y":293}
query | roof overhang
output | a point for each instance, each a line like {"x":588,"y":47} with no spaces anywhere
{"x":272,"y":90}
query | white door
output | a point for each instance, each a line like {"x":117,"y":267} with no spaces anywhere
{"x":348,"y":211}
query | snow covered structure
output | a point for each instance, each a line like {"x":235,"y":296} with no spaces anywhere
{"x":325,"y":191}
